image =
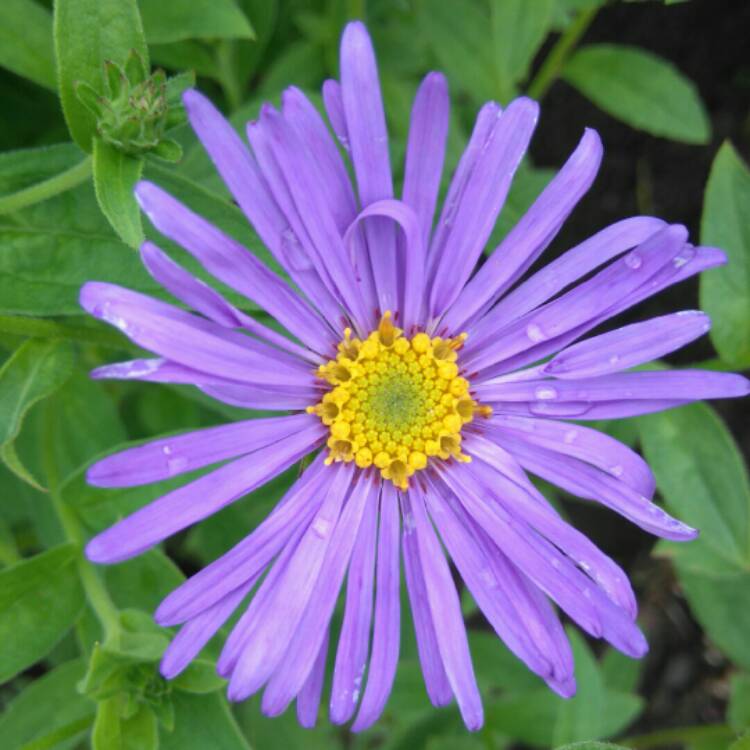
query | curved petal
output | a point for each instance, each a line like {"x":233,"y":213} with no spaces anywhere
{"x":413,"y":280}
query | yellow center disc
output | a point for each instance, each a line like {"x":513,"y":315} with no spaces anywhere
{"x":396,"y":402}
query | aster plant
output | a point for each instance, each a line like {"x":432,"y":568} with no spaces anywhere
{"x":420,"y":385}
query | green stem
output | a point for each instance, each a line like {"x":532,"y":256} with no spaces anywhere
{"x":555,"y":60}
{"x":680,"y":735}
{"x":96,"y":593}
{"x":66,"y":180}
{"x":51,"y":329}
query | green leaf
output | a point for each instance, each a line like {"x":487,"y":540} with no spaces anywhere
{"x":592,"y":746}
{"x":463,"y":49}
{"x":518,"y":29}
{"x":48,"y":250}
{"x":539,"y":717}
{"x":26,"y":41}
{"x":701,"y":475}
{"x":40,"y":599}
{"x":640,"y":89}
{"x":725,"y":292}
{"x":115,"y":175}
{"x":63,"y":705}
{"x":193,"y":19}
{"x":88,"y":32}
{"x":200,"y":677}
{"x":738,"y":713}
{"x":36,"y":369}
{"x":203,"y":721}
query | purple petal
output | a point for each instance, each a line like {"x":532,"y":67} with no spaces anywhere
{"x":446,"y":613}
{"x":244,"y":628}
{"x":487,"y":588}
{"x":334,"y":105}
{"x":244,"y":180}
{"x":588,"y":482}
{"x":628,"y":346}
{"x":555,"y":574}
{"x":589,"y":445}
{"x":533,"y":233}
{"x":412,"y":248}
{"x":527,"y":504}
{"x":179,"y":454}
{"x":265,"y":645}
{"x":574,"y":265}
{"x":233,"y":264}
{"x":250,"y":556}
{"x":199,"y":499}
{"x":308,"y":700}
{"x":190,"y":340}
{"x":687,"y":262}
{"x":299,"y":658}
{"x":368,"y":141}
{"x":305,"y":181}
{"x":270,"y":398}
{"x":425,"y":151}
{"x":682,"y":385}
{"x":435,"y":678}
{"x":481,"y":200}
{"x":485,"y":122}
{"x":387,"y":627}
{"x":300,"y":255}
{"x":205,"y":300}
{"x":493,"y":341}
{"x":354,"y":640}
{"x":196,"y":633}
{"x":334,"y":182}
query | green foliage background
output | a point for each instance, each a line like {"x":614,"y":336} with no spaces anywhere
{"x":78,"y":649}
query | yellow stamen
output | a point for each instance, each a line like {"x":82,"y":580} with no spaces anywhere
{"x":396,"y":403}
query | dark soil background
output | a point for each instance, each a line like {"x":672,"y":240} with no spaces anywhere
{"x":685,"y":680}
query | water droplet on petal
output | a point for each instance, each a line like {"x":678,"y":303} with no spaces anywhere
{"x":614,"y":359}
{"x":633,"y":260}
{"x":535,"y":333}
{"x":545,"y":392}
{"x":321,"y":527}
{"x":616,"y":471}
{"x":570,"y":436}
{"x":175,"y":464}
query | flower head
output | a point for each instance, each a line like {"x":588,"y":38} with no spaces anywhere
{"x":424,"y":387}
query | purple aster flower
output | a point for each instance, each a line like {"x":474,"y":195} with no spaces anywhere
{"x":424,"y":387}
